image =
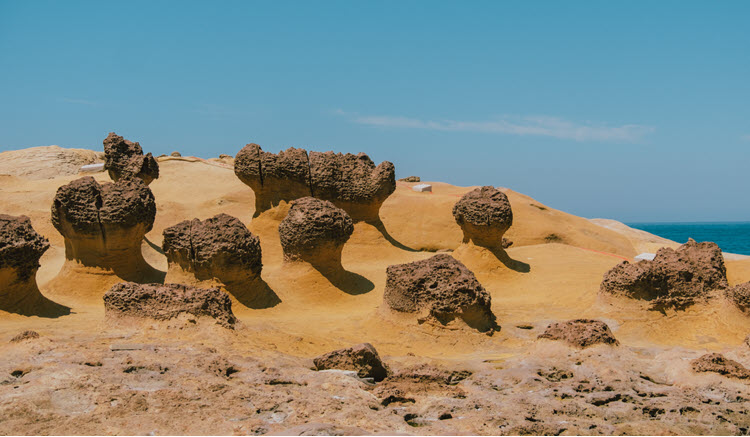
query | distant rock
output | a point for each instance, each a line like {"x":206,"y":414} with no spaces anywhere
{"x":123,"y":158}
{"x":484,"y":215}
{"x":362,"y":358}
{"x":718,"y":363}
{"x":46,"y":162}
{"x":740,"y":296}
{"x":674,"y":279}
{"x":175,"y":154}
{"x":411,"y":179}
{"x":441,"y":288}
{"x":25,"y":335}
{"x":167,"y":301}
{"x":581,"y":333}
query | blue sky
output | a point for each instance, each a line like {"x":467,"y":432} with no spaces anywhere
{"x":638,"y":111}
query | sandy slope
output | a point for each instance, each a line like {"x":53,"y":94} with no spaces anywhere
{"x":552,"y":273}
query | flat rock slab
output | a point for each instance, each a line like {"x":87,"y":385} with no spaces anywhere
{"x":422,"y":188}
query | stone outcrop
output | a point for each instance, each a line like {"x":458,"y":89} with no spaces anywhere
{"x":351,"y":182}
{"x":440,"y":288}
{"x":123,"y":159}
{"x":220,"y":247}
{"x":718,"y":363}
{"x":25,"y":335}
{"x":739,"y":295}
{"x":362,"y":358}
{"x":167,"y":301}
{"x":46,"y":162}
{"x":103,"y":225}
{"x":580,"y":333}
{"x":315,"y":231}
{"x":20,"y":250}
{"x":410,"y":179}
{"x":484,"y":215}
{"x":674,"y":279}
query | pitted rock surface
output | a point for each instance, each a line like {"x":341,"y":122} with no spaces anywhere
{"x":20,"y":245}
{"x":314,"y":229}
{"x":674,"y":279}
{"x":740,"y":296}
{"x":440,"y":287}
{"x":123,"y":159}
{"x":484,"y":215}
{"x":581,"y":333}
{"x":362,"y":358}
{"x":351,"y":182}
{"x":718,"y":363}
{"x":167,"y":301}
{"x":220,"y":247}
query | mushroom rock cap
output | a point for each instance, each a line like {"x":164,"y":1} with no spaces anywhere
{"x":484,"y":215}
{"x":581,"y":333}
{"x":315,"y":231}
{"x":362,"y":358}
{"x":20,"y":246}
{"x":674,"y":279}
{"x":219,"y":247}
{"x":123,"y":158}
{"x":440,"y":287}
{"x":167,"y":301}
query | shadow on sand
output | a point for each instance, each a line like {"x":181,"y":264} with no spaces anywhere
{"x":255,"y":294}
{"x":378,"y":224}
{"x":346,"y":281}
{"x":503,"y":257}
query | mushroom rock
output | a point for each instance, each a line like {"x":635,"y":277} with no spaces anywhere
{"x":167,"y":301}
{"x":20,"y":250}
{"x":103,"y":225}
{"x":219,"y":248}
{"x":674,"y":279}
{"x":362,"y":358}
{"x":484,"y":215}
{"x":351,"y":182}
{"x":123,"y":158}
{"x":439,"y":288}
{"x":315,"y":231}
{"x":581,"y":333}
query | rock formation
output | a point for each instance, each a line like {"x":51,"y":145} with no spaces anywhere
{"x":103,"y":225}
{"x":410,"y":179}
{"x":123,"y":158}
{"x":25,"y":335}
{"x":362,"y":358}
{"x":46,"y":162}
{"x":718,"y":363}
{"x":315,"y":231}
{"x":674,"y":279}
{"x":440,"y":288}
{"x":484,"y":215}
{"x":20,"y":250}
{"x":581,"y":333}
{"x":351,"y":182}
{"x":167,"y":301}
{"x":740,"y":296}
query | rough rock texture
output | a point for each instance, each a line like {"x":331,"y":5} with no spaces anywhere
{"x":740,"y":296}
{"x":351,"y":182}
{"x":718,"y":363}
{"x":219,"y":247}
{"x":674,"y":279}
{"x":123,"y":158}
{"x":176,"y":154}
{"x":103,"y":225}
{"x":46,"y":162}
{"x":315,"y":231}
{"x":411,"y":179}
{"x":167,"y":301}
{"x":362,"y":358}
{"x":581,"y":333}
{"x":441,"y":288}
{"x":484,"y":215}
{"x":25,"y":335}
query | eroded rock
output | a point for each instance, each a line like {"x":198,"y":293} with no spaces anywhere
{"x":580,"y":333}
{"x":484,"y":215}
{"x":123,"y":159}
{"x":315,"y":231}
{"x":718,"y":363}
{"x":362,"y":358}
{"x":167,"y":301}
{"x":674,"y":279}
{"x":441,"y":288}
{"x":740,"y":296}
{"x":25,"y":335}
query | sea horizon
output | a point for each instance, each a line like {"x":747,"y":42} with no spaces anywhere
{"x":731,"y":236}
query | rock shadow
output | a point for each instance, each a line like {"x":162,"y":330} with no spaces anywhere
{"x":255,"y":294}
{"x":40,"y":307}
{"x":346,"y":281}
{"x":380,"y":226}
{"x":515,"y":265}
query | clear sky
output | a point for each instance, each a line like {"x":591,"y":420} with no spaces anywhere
{"x":638,"y":111}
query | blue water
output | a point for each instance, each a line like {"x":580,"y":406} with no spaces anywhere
{"x":732,"y":237}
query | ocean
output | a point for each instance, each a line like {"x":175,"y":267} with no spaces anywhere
{"x":733,"y":237}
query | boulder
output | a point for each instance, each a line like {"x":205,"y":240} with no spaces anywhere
{"x":25,"y":335}
{"x":410,"y":179}
{"x":439,"y":288}
{"x":103,"y":225}
{"x":362,"y":358}
{"x":674,"y":279}
{"x":123,"y":159}
{"x":315,"y":231}
{"x":484,"y":215}
{"x":581,"y":333}
{"x":739,"y":295}
{"x":167,"y":301}
{"x":718,"y":363}
{"x":175,"y":154}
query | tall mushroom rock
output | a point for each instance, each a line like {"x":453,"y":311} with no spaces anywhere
{"x":484,"y":215}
